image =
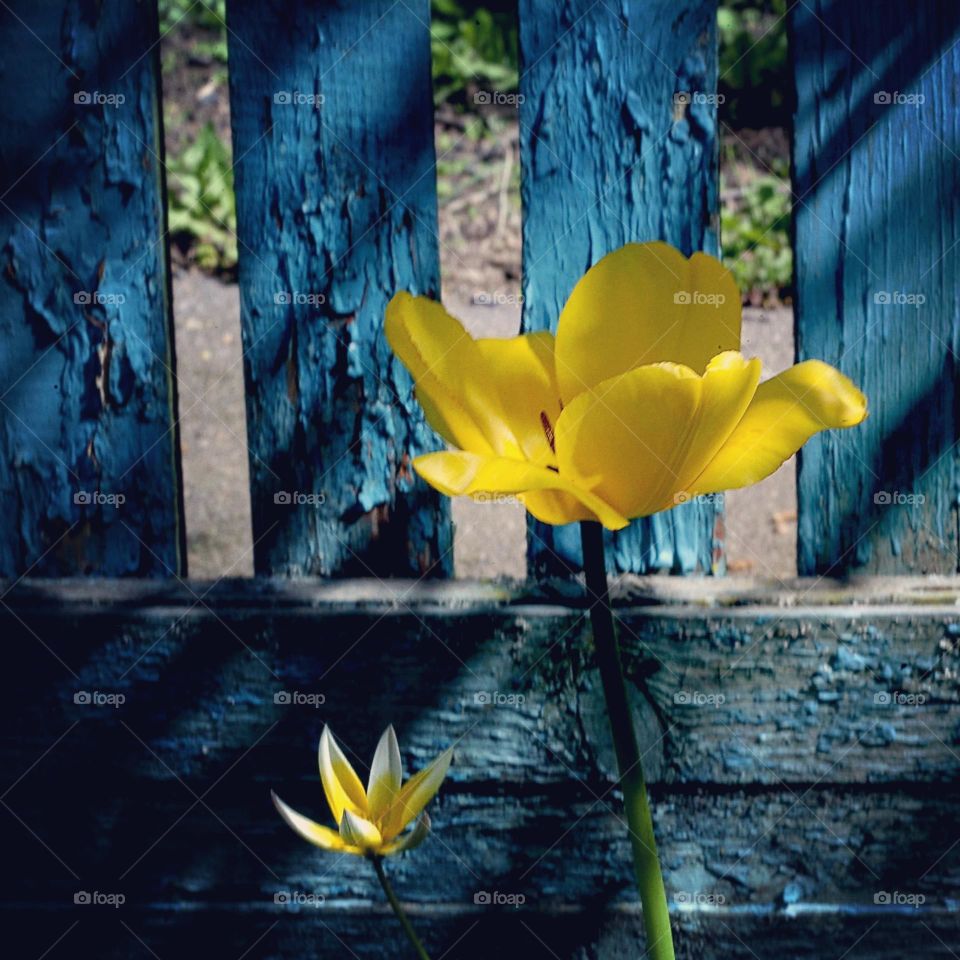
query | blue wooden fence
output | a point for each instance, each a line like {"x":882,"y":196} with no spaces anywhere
{"x":333,"y":147}
{"x":618,"y":137}
{"x":877,"y":219}
{"x":822,"y":783}
{"x":337,"y":210}
{"x":89,"y":458}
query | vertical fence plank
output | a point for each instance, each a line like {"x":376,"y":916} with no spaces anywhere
{"x":336,"y":203}
{"x":610,"y":154}
{"x":877,"y":192}
{"x":87,"y":399}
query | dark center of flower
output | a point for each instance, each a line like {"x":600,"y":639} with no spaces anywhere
{"x":547,"y":430}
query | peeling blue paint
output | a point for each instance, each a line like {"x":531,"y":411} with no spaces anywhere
{"x":336,"y":210}
{"x":877,"y":218}
{"x":606,"y":161}
{"x":87,"y":396}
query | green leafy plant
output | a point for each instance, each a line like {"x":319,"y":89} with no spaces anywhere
{"x":202,"y":208}
{"x":755,"y":235}
{"x":207,"y":20}
{"x":472,"y":46}
{"x":753,"y":62}
{"x":208,"y":14}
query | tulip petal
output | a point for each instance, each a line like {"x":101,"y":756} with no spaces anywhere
{"x":645,"y":303}
{"x":411,"y":840}
{"x":449,"y":372}
{"x":359,"y":832}
{"x":313,"y":832}
{"x":341,"y":785}
{"x":386,"y":774}
{"x":522,"y":370}
{"x":640,"y":439}
{"x":729,"y":384}
{"x":458,"y":473}
{"x":556,"y":507}
{"x":785,"y":412}
{"x":415,"y":794}
{"x":627,"y":439}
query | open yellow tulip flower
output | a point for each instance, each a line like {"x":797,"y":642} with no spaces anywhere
{"x":371,"y":822}
{"x":641,"y":400}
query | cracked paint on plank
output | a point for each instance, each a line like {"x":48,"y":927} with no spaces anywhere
{"x":878,"y":215}
{"x":336,"y":206}
{"x":87,"y":396}
{"x":607,"y":159}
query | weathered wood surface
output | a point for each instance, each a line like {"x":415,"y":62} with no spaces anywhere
{"x":266,"y":931}
{"x":89,"y":458}
{"x":336,"y":210}
{"x":618,"y":142}
{"x":877,"y":215}
{"x":787,"y":798}
{"x":476,"y":933}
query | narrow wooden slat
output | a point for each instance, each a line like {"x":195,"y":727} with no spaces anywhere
{"x":877,"y":212}
{"x":610,"y":156}
{"x":336,"y":209}
{"x":89,"y":459}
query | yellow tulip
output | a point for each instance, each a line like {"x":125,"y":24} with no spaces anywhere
{"x":640,"y":402}
{"x":371,"y":822}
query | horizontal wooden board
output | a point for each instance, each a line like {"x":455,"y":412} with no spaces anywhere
{"x":365,"y":931}
{"x":739,"y":849}
{"x":752,"y":694}
{"x":788,"y":799}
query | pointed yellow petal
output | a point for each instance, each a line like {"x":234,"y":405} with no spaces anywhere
{"x":645,"y":303}
{"x":415,"y":794}
{"x":386,"y":774}
{"x":521,"y":369}
{"x":457,"y":473}
{"x":359,"y":832}
{"x":785,"y":412}
{"x":313,"y":832}
{"x":411,"y":840}
{"x":729,"y":384}
{"x":450,"y":375}
{"x":341,"y":785}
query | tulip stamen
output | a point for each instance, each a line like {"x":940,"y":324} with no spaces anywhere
{"x":548,"y":430}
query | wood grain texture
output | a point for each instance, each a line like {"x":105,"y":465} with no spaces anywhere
{"x":362,"y":929}
{"x":877,"y":221}
{"x":336,"y":210}
{"x":87,"y":393}
{"x":609,"y":156}
{"x":785,"y":804}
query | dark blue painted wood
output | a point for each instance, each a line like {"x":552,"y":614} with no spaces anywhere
{"x":877,"y":214}
{"x":794,"y":804}
{"x":336,"y":208}
{"x":87,"y":396}
{"x":608,"y":157}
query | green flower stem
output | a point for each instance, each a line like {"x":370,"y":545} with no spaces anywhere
{"x":656,"y":915}
{"x":398,"y":909}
